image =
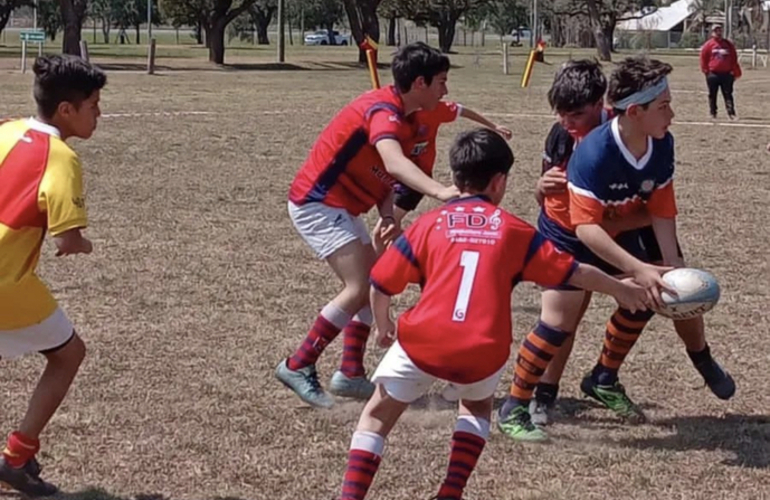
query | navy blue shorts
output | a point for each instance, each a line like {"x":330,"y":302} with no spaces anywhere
{"x":641,"y":243}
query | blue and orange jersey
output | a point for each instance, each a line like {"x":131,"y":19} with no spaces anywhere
{"x":422,"y":151}
{"x":606,"y":181}
{"x":467,"y":255}
{"x":559,"y":146}
{"x":41,"y":190}
{"x":343,"y":168}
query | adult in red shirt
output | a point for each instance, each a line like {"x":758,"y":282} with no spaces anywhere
{"x":351,"y":168}
{"x":467,"y":256}
{"x":719,"y":62}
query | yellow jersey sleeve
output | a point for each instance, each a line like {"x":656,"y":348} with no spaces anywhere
{"x":60,"y":194}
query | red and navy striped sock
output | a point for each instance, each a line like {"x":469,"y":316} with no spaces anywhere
{"x":363,"y":460}
{"x":467,"y":444}
{"x":356,"y":333}
{"x":325,"y":329}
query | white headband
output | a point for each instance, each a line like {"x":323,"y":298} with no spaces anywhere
{"x":644,"y":96}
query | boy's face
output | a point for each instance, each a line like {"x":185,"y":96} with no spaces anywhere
{"x":581,"y":121}
{"x":80,"y":121}
{"x":656,"y":119}
{"x":432,"y":94}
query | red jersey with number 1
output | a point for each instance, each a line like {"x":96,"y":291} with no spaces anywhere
{"x":467,"y":256}
{"x":343,"y":168}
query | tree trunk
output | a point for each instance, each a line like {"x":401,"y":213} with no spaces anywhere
{"x":446,"y":32}
{"x":215,"y":38}
{"x":199,"y":34}
{"x":262,"y":38}
{"x":72,"y":13}
{"x":330,"y":33}
{"x":106,"y":30}
{"x":602,"y":45}
{"x":392,"y":31}
{"x":608,"y":30}
{"x":138,"y":35}
{"x":362,"y":17}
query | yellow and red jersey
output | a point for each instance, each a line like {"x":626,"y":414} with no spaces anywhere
{"x":467,"y":256}
{"x":41,"y":190}
{"x":344,"y":169}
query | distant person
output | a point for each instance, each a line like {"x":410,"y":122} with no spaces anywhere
{"x":719,"y":62}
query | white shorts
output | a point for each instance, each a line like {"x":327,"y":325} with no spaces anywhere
{"x":327,"y":229}
{"x":403,"y":381}
{"x":49,"y":334}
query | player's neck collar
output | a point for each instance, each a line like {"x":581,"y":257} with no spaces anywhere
{"x":45,"y":128}
{"x":475,"y":197}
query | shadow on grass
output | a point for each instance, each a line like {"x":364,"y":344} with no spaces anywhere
{"x":746,"y":436}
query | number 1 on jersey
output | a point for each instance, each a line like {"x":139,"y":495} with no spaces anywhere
{"x":469,"y":261}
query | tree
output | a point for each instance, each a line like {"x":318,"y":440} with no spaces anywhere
{"x":103,"y":10}
{"x":390,"y":10}
{"x":261,"y":13}
{"x":604,"y":15}
{"x":362,"y":16}
{"x":49,"y":17}
{"x":504,"y":16}
{"x":212,"y":15}
{"x":325,"y":14}
{"x":7,"y":7}
{"x":442,"y":14}
{"x":73,"y":13}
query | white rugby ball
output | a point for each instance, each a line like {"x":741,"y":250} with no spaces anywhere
{"x":697,"y":293}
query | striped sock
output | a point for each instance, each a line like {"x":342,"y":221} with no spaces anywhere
{"x":623,"y":330}
{"x":356,"y":333}
{"x":535,"y":353}
{"x":325,"y":329}
{"x":363,"y":460}
{"x":468,"y":442}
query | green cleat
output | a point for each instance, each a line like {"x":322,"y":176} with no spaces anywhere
{"x":613,"y":397}
{"x":351,"y":387}
{"x":518,"y":426}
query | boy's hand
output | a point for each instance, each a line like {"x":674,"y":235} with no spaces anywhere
{"x":385,"y":232}
{"x":632,"y":296}
{"x":72,"y":242}
{"x":650,"y":277}
{"x":386,"y":334}
{"x":448,"y":193}
{"x":504,"y":131}
{"x":553,"y":181}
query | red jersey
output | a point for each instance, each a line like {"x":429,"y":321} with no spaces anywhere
{"x":343,"y":168}
{"x":422,"y":151}
{"x":719,"y":56}
{"x":467,"y":256}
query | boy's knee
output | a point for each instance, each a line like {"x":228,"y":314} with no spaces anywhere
{"x":72,"y":354}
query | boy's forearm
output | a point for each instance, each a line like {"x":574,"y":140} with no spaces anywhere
{"x":476,"y":117}
{"x":406,"y":172}
{"x":665,"y":233}
{"x":380,"y":304}
{"x":599,"y":242}
{"x":385,"y":207}
{"x":590,"y":278}
{"x":629,"y":222}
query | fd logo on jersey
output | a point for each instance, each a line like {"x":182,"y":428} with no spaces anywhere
{"x":472,"y":221}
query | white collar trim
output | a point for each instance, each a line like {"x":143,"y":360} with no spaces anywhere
{"x":642,"y":162}
{"x":45,"y":128}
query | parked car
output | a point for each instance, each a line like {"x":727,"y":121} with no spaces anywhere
{"x":321,"y":37}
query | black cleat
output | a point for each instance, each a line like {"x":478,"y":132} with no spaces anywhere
{"x":26,"y":479}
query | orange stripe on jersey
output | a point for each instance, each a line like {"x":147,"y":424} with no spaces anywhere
{"x":584,"y":209}
{"x":662,"y":202}
{"x":20,"y":174}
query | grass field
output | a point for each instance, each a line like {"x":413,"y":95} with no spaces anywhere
{"x":198,"y":286}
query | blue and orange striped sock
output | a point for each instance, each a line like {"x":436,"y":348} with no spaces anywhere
{"x":468,"y":442}
{"x":537,"y":350}
{"x":363,"y":461}
{"x":623,"y":330}
{"x":326,"y":327}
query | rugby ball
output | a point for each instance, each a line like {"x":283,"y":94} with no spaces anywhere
{"x":697,"y":293}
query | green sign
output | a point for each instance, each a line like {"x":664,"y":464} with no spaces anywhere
{"x":33,"y":36}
